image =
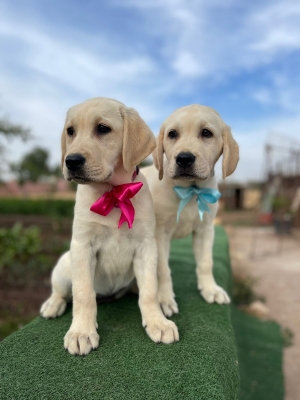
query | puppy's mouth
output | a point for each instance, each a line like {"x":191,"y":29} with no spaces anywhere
{"x":84,"y":180}
{"x":188,"y":177}
{"x":78,"y":179}
{"x":189,"y":174}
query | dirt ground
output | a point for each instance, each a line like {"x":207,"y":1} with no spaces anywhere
{"x":275,"y":262}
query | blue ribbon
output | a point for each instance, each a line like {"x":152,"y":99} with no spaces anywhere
{"x":204,"y":196}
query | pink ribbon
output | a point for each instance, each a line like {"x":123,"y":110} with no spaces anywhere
{"x":118,"y":197}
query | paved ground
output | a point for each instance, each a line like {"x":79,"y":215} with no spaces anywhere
{"x":275,"y":261}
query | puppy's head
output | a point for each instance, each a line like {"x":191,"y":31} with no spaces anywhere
{"x":100,"y":134}
{"x":193,"y":138}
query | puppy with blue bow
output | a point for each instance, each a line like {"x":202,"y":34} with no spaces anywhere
{"x":185,"y":193}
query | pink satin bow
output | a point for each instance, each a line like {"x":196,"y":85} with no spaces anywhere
{"x":119,"y":197}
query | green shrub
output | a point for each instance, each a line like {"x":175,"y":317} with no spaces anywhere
{"x":20,"y":253}
{"x":243,"y":290}
{"x":281,"y":203}
{"x":48,"y":207}
{"x":18,"y":245}
{"x":287,"y":336}
{"x":11,"y":323}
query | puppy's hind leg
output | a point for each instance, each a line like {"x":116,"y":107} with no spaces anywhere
{"x":203,"y":239}
{"x":56,"y":305}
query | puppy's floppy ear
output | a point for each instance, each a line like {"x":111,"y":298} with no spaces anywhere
{"x":63,"y":147}
{"x":230,"y":152}
{"x":138,"y":140}
{"x":158,"y":154}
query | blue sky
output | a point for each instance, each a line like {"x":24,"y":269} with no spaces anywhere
{"x":240,"y":57}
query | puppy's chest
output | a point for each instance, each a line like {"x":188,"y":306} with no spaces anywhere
{"x":114,"y":249}
{"x":114,"y":256}
{"x":188,"y":217}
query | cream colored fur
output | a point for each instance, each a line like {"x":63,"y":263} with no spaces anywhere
{"x":102,"y":258}
{"x":189,"y":123}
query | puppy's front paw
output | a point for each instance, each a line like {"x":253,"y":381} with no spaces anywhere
{"x":214,"y":294}
{"x":53,"y":307}
{"x":166,"y":299}
{"x":162,"y":331}
{"x":81,"y":342}
{"x":168,"y":304}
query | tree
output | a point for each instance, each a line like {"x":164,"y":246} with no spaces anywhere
{"x":33,"y":166}
{"x":10,"y":131}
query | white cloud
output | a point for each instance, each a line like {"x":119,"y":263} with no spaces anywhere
{"x":207,"y":39}
{"x":186,"y":65}
{"x":280,"y":132}
{"x":279,"y":28}
{"x":51,"y":73}
{"x":46,"y":70}
{"x":70,"y":63}
{"x":262,"y":95}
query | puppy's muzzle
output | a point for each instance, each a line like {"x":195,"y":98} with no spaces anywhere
{"x":74,"y":162}
{"x":185,"y":160}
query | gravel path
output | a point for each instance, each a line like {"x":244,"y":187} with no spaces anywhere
{"x":275,"y":261}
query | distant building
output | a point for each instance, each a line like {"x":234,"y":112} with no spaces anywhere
{"x":236,"y":196}
{"x":232,"y":196}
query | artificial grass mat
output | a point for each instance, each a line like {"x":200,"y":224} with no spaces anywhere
{"x":260,"y":357}
{"x":127,"y":365}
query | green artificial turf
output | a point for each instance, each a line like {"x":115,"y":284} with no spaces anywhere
{"x":260,"y":357}
{"x":127,"y":365}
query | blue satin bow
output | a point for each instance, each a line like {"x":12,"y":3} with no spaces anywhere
{"x":204,"y":196}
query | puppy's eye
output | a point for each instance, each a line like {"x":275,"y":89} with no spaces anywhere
{"x":103,"y":129}
{"x":173,"y":134}
{"x":70,"y":131}
{"x":206,"y":133}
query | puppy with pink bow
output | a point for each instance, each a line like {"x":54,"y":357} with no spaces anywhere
{"x":113,"y":241}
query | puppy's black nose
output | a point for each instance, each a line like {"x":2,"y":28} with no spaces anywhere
{"x":185,"y":159}
{"x":74,"y":161}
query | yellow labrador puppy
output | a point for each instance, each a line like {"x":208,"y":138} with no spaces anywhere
{"x":192,"y":139}
{"x":102,"y":142}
